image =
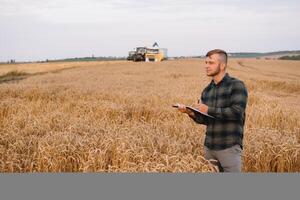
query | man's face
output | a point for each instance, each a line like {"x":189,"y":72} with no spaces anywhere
{"x":212,"y":65}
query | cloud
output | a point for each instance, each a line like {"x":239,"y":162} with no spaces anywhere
{"x":110,"y":11}
{"x":112,"y":27}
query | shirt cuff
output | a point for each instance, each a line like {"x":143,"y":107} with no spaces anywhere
{"x":211,"y":111}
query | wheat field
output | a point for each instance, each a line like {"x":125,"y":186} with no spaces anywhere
{"x":116,"y":116}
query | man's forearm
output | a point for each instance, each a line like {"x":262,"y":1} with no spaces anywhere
{"x":229,"y":113}
{"x":199,"y":119}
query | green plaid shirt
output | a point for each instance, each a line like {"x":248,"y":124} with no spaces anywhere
{"x":226,"y":102}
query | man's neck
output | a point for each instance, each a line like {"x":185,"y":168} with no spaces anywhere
{"x":218,"y":78}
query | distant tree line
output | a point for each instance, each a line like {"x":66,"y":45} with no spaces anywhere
{"x":10,"y":61}
{"x":296,"y":57}
{"x":109,"y":58}
{"x":76,"y":59}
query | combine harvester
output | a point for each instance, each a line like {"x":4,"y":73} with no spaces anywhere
{"x":148,"y":54}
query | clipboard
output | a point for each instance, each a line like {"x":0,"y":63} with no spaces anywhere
{"x":199,"y":112}
{"x":194,"y":110}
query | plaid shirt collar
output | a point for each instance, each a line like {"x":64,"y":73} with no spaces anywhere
{"x":224,"y":80}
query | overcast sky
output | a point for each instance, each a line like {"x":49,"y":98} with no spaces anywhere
{"x":44,"y":29}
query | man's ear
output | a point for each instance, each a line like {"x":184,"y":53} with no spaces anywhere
{"x":223,"y":66}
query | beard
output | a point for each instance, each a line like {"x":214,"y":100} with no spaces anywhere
{"x":215,"y":72}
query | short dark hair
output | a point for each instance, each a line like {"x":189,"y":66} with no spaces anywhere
{"x":217,"y":51}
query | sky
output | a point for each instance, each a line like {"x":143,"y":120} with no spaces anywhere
{"x":32,"y":30}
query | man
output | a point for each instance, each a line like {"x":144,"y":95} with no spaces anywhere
{"x":225,"y":99}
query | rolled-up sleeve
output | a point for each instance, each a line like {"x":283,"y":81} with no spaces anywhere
{"x":200,"y":119}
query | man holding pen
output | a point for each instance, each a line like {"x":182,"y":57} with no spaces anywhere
{"x":224,"y":99}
